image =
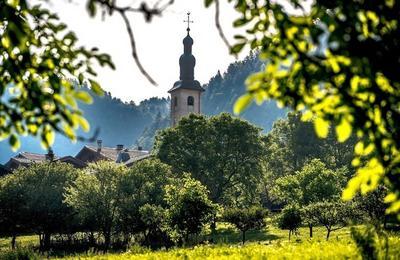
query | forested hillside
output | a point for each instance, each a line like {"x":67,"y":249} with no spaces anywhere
{"x":118,"y":122}
{"x":221,"y":93}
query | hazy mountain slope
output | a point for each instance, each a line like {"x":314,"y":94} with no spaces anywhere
{"x":118,"y":122}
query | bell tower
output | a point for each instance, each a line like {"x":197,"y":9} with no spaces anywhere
{"x":186,"y":93}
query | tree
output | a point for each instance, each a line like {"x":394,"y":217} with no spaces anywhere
{"x":236,"y":150}
{"x":189,"y":207}
{"x":12,"y":208}
{"x":310,"y":185}
{"x":37,"y":194}
{"x":290,"y":219}
{"x":373,"y":206}
{"x":332,"y":215}
{"x":95,"y":197}
{"x":142,"y":185}
{"x":337,"y":61}
{"x":155,"y":225}
{"x":246,"y":219}
{"x":292,"y":144}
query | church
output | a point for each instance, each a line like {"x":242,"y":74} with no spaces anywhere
{"x":186,"y":92}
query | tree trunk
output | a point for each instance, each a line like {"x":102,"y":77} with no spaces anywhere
{"x":290,"y":231}
{"x":385,"y":222}
{"x":311,"y":231}
{"x":92,"y":240}
{"x":107,"y":240}
{"x":243,"y":236}
{"x":213,"y":227}
{"x":327,"y":235}
{"x":46,"y":241}
{"x":14,"y":237}
{"x":40,"y":241}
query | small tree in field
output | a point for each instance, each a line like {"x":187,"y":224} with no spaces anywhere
{"x":189,"y":207}
{"x":332,"y":215}
{"x":313,"y":183}
{"x":246,"y":219}
{"x":290,"y":219}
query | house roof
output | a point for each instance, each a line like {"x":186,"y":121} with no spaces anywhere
{"x":35,"y":157}
{"x":131,"y":161}
{"x":26,"y":158}
{"x":3,"y":170}
{"x":109,"y":153}
{"x":72,"y":160}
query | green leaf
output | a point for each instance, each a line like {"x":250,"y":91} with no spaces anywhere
{"x":91,"y":7}
{"x":240,"y":22}
{"x":49,"y":137}
{"x":343,"y":130}
{"x":14,"y":142}
{"x":84,"y":124}
{"x":83,"y":96}
{"x":96,"y":88}
{"x":321,"y":127}
{"x":237,"y":48}
{"x":242,"y":103}
{"x":207,"y":3}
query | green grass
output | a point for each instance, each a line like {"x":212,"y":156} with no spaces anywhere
{"x":270,"y":243}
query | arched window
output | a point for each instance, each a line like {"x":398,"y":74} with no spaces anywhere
{"x":176,"y":101}
{"x":190,"y":101}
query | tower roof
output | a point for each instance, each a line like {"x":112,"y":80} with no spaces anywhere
{"x":187,"y":62}
{"x":187,"y":84}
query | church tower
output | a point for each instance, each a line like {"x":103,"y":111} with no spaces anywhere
{"x":186,"y":93}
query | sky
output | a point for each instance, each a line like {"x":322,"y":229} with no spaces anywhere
{"x":159,"y":44}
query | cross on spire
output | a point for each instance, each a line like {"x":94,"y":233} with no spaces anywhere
{"x":188,"y":21}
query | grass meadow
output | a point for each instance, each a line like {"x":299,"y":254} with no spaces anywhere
{"x":270,"y":243}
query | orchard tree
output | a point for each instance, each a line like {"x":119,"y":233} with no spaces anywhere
{"x":95,"y":197}
{"x":290,"y":219}
{"x":332,"y":215}
{"x":291,"y":144}
{"x":246,"y":219}
{"x":189,"y":207}
{"x":222,"y":152}
{"x":310,"y":185}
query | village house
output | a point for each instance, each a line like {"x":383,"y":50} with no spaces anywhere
{"x":86,"y":155}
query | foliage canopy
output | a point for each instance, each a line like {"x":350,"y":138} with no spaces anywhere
{"x":339,"y":62}
{"x":38,"y":56}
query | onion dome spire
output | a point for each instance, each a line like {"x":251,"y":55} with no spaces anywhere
{"x":187,"y":62}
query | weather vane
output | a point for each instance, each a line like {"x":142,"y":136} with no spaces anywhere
{"x":188,"y":21}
